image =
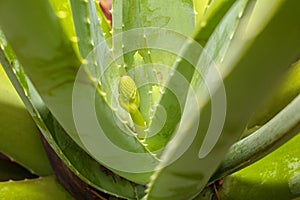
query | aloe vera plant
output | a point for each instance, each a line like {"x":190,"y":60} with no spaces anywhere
{"x":170,"y":100}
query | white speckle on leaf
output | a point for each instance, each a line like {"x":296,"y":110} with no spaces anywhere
{"x":294,"y":183}
{"x":240,"y":14}
{"x":3,"y":188}
{"x":178,"y":59}
{"x":293,"y":164}
{"x":190,"y":41}
{"x":74,"y":39}
{"x":25,"y":92}
{"x":222,"y":59}
{"x":103,"y":93}
{"x":84,"y":61}
{"x":114,"y":109}
{"x":162,"y":91}
{"x":231,"y":35}
{"x":203,"y":24}
{"x":14,"y":70}
{"x":88,"y":21}
{"x":61,"y":14}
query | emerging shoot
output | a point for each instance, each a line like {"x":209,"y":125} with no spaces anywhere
{"x":129,"y":100}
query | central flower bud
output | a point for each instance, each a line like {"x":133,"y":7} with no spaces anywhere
{"x":129,"y":98}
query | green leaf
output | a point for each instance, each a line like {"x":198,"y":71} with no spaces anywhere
{"x":129,"y":15}
{"x":105,"y":24}
{"x":62,"y":9}
{"x":52,"y":67}
{"x":259,"y":52}
{"x":86,"y":168}
{"x":87,"y":26}
{"x":52,"y":63}
{"x":19,"y":135}
{"x":200,"y":7}
{"x":268,"y":138}
{"x":285,"y":92}
{"x":71,"y":154}
{"x":274,"y":177}
{"x":42,"y":188}
{"x":203,"y":31}
{"x":213,"y":13}
{"x":12,"y":171}
{"x":179,"y":15}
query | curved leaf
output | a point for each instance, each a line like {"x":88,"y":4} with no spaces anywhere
{"x":274,"y":177}
{"x":42,"y":188}
{"x":259,"y":52}
{"x":282,"y":96}
{"x":269,"y":137}
{"x":52,"y":66}
{"x":212,"y":17}
{"x":19,"y":135}
{"x":85,"y":168}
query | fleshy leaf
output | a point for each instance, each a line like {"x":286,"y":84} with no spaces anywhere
{"x":41,"y":188}
{"x":253,"y":61}
{"x":19,"y":135}
{"x":274,"y":177}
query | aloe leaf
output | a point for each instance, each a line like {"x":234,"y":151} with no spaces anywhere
{"x":90,"y":36}
{"x":12,"y":171}
{"x":167,"y":101}
{"x":58,"y":99}
{"x":177,"y":16}
{"x":103,"y":132}
{"x":200,"y":8}
{"x":105,"y":24}
{"x":63,"y":145}
{"x":214,"y":50}
{"x":139,"y":13}
{"x":86,"y":168}
{"x":272,"y":135}
{"x":54,"y":80}
{"x":282,"y":96}
{"x":87,"y":26}
{"x":63,"y":12}
{"x":212,"y":16}
{"x":253,"y":60}
{"x":93,"y":175}
{"x":36,"y":189}
{"x":92,"y":42}
{"x":274,"y":177}
{"x":129,"y":15}
{"x":52,"y":64}
{"x":103,"y":105}
{"x":19,"y":135}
